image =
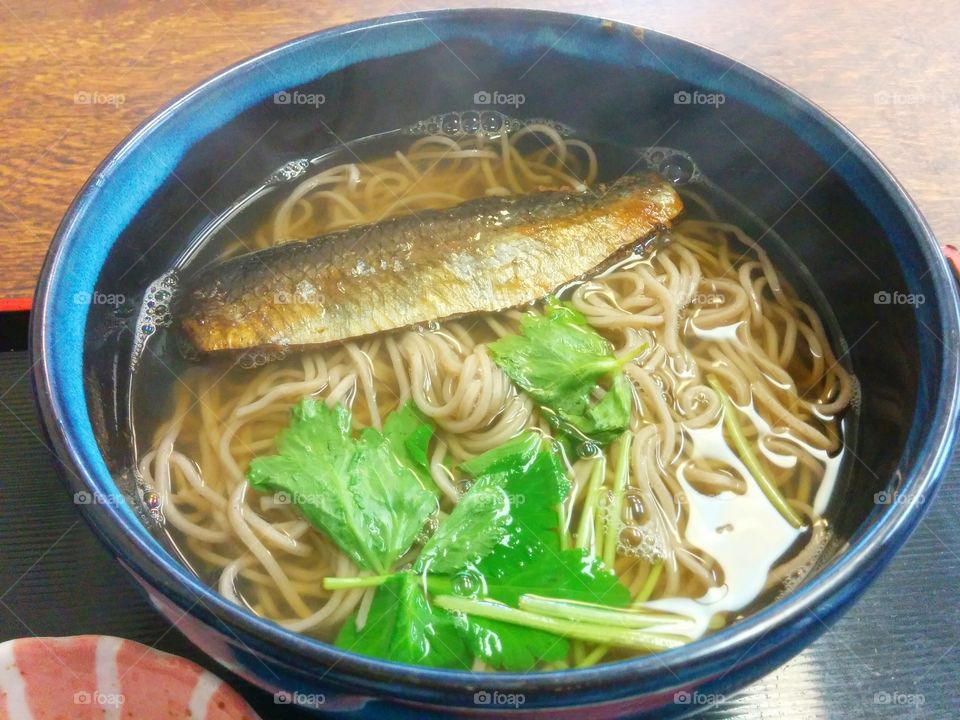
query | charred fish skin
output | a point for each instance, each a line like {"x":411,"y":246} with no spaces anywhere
{"x":483,"y":255}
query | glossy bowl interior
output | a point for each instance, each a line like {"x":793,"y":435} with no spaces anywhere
{"x":801,"y":173}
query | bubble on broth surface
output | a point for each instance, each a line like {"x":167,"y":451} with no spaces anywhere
{"x":487,"y":123}
{"x":154,"y":312}
{"x":289,"y":171}
{"x":673,"y":165}
{"x":259,"y":357}
{"x":640,"y":541}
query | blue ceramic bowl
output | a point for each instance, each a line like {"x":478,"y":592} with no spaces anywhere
{"x":802,"y":173}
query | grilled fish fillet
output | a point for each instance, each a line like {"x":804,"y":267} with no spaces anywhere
{"x":484,"y":255}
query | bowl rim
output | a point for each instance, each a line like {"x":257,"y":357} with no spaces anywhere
{"x":831,"y":590}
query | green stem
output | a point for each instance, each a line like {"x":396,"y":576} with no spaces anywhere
{"x":616,"y":506}
{"x":650,"y":583}
{"x":349,"y":583}
{"x":582,"y":612}
{"x":594,"y":657}
{"x":579,"y":651}
{"x":439,"y":584}
{"x":564,"y":524}
{"x":628,"y":357}
{"x":628,"y":638}
{"x":436,"y":584}
{"x":585,"y":528}
{"x":750,"y":459}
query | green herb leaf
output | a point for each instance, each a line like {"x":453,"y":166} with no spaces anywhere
{"x":605,"y":422}
{"x":393,"y":499}
{"x":515,"y":495}
{"x":534,"y":492}
{"x":371,"y":503}
{"x":499,"y":543}
{"x":402,"y":626}
{"x":470,"y":532}
{"x":505,"y":646}
{"x":568,"y":574}
{"x":409,"y":436}
{"x":528,"y":559}
{"x":558,"y":354}
{"x":559,"y":360}
{"x":513,"y":456}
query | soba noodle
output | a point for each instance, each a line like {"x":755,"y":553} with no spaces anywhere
{"x":706,"y":301}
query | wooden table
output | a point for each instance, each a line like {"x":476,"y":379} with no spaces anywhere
{"x":888,"y":70}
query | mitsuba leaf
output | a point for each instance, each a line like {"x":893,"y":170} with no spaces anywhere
{"x":513,"y":648}
{"x":366,"y":498}
{"x":512,"y":501}
{"x":568,"y":574}
{"x":557,"y":354}
{"x":402,"y":627}
{"x":501,"y":541}
{"x":606,"y":420}
{"x":409,"y":436}
{"x":527,"y":558}
{"x":558,"y":359}
{"x":515,"y":455}
{"x":470,"y":532}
